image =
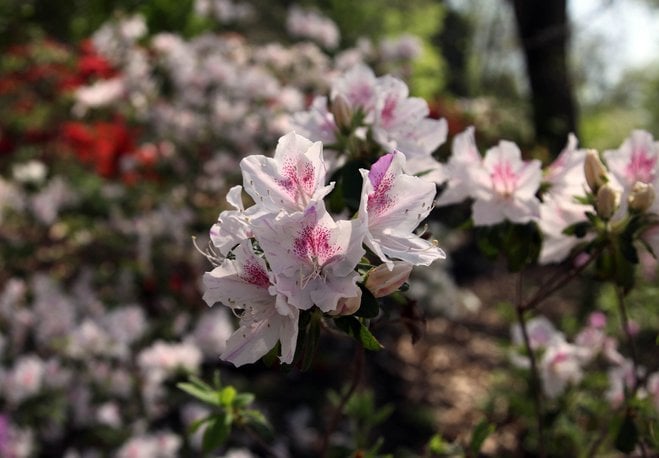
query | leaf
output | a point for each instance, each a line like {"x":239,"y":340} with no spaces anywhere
{"x":370,"y":306}
{"x":216,"y":433}
{"x":627,"y":435}
{"x":437,"y":445}
{"x":355,"y":328}
{"x":195,"y":425}
{"x":209,"y":397}
{"x":243,"y":400}
{"x":257,"y":421}
{"x":478,"y":436}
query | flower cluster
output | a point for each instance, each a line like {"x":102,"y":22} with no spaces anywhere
{"x":563,"y":364}
{"x":574,"y":190}
{"x":364,"y":108}
{"x":287,"y":254}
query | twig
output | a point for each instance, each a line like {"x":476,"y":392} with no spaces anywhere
{"x":358,"y":363}
{"x":557,"y":282}
{"x":535,"y":377}
{"x":624,"y":321}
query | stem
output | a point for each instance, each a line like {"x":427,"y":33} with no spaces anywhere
{"x":358,"y":363}
{"x":624,"y":321}
{"x":557,"y":282}
{"x":535,"y":377}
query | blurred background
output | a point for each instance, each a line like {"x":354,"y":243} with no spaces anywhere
{"x":122,"y":123}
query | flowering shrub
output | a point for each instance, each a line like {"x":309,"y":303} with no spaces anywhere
{"x":114,"y":153}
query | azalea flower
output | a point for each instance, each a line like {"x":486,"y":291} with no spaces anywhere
{"x":560,"y":208}
{"x":464,"y":159}
{"x":291,"y":179}
{"x":246,"y":286}
{"x":358,"y":86}
{"x":505,"y":187}
{"x":232,"y":226}
{"x":561,"y":364}
{"x":312,"y":256}
{"x":401,"y":122}
{"x":635,"y":160}
{"x":392,"y":206}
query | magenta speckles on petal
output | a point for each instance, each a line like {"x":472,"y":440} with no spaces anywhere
{"x":298,"y":179}
{"x":313,"y":243}
{"x":379,"y":169}
{"x":255,"y":275}
{"x":641,"y":166}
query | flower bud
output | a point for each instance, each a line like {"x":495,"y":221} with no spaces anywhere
{"x":381,"y":281}
{"x":594,"y":170}
{"x":642,"y":197}
{"x":342,"y":111}
{"x":608,"y":200}
{"x":348,"y":305}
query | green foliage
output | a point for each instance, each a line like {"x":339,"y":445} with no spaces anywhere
{"x":230,"y":408}
{"x":356,"y":328}
{"x":364,"y":416}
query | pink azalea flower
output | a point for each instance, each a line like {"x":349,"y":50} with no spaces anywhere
{"x":232,"y":226}
{"x":505,"y":187}
{"x":401,"y":121}
{"x":464,"y":159}
{"x":312,"y":256}
{"x":358,"y":86}
{"x":317,"y":123}
{"x":556,"y":214}
{"x":245,"y":285}
{"x":290,"y":180}
{"x":392,"y":206}
{"x":561,"y":365}
{"x":635,"y":160}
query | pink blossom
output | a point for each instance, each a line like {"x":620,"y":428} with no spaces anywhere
{"x":505,"y":187}
{"x":290,"y":180}
{"x":312,"y":256}
{"x":392,"y":206}
{"x":246,"y":286}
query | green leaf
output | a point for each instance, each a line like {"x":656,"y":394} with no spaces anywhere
{"x":355,"y":328}
{"x":195,"y":425}
{"x":369,"y":307}
{"x":243,"y":400}
{"x":209,"y":397}
{"x":627,"y":435}
{"x":216,"y":433}
{"x":478,"y":436}
{"x":437,"y":445}
{"x":257,"y":421}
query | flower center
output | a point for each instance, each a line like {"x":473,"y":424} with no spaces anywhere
{"x":504,"y":179}
{"x":641,"y":166}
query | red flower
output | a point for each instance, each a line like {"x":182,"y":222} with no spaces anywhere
{"x":101,"y":144}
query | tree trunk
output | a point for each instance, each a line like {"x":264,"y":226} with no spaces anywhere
{"x":543,"y":30}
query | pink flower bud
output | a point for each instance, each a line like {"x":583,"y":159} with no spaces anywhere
{"x":608,"y":200}
{"x":594,"y":170}
{"x":642,"y":197}
{"x":342,"y":111}
{"x":381,"y":281}
{"x":348,"y":305}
